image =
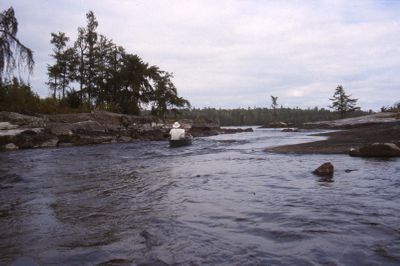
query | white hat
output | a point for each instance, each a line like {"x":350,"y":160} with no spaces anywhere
{"x":176,"y":125}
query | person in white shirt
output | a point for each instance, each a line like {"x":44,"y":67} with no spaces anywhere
{"x":176,"y":132}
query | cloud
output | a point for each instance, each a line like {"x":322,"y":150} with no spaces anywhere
{"x":236,"y":53}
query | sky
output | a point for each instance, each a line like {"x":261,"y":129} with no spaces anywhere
{"x":230,"y":54}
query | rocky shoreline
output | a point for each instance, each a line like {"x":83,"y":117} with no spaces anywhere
{"x":19,"y":131}
{"x":362,"y":133}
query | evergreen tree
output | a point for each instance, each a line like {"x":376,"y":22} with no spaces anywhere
{"x":81,"y":46}
{"x":90,"y":57}
{"x":58,"y":73}
{"x":343,"y":103}
{"x":274,"y":105}
{"x":13,"y":54}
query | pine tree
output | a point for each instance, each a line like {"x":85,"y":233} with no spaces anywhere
{"x":343,"y":103}
{"x":13,"y":54}
{"x":274,"y":106}
{"x":58,"y":79}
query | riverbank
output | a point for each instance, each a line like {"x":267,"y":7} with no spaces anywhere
{"x":19,"y":131}
{"x":353,"y":133}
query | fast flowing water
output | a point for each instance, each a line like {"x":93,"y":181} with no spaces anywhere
{"x":221,"y":201}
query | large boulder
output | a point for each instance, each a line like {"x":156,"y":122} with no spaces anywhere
{"x":376,"y":150}
{"x":324,"y":170}
{"x":22,"y":120}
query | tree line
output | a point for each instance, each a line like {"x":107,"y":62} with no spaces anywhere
{"x":262,"y":116}
{"x":107,"y":75}
{"x":90,"y":72}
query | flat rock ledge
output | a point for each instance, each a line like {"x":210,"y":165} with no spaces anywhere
{"x":19,"y":131}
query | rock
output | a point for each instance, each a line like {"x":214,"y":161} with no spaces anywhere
{"x":22,"y":120}
{"x":59,"y":129}
{"x":376,"y":150}
{"x":32,"y":139}
{"x":53,"y":142}
{"x":87,"y":127}
{"x":353,"y":122}
{"x":325,"y":170}
{"x":7,"y":126}
{"x":23,"y":138}
{"x":65,"y":144}
{"x":10,"y":147}
{"x":277,"y":124}
{"x":290,"y":130}
{"x":124,"y":139}
{"x":85,"y":139}
{"x":68,"y":118}
{"x":350,"y":170}
{"x":234,"y":130}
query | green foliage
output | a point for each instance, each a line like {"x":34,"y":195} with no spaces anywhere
{"x":108,"y":77}
{"x":342,"y":103}
{"x":261,"y":116}
{"x":18,"y":97}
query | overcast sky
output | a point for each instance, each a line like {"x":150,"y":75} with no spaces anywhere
{"x":237,"y":53}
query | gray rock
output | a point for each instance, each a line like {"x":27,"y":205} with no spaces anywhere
{"x":277,"y":124}
{"x":49,"y":143}
{"x":376,"y":150}
{"x":11,"y":147}
{"x":325,"y":170}
{"x":60,"y":129}
{"x":7,"y":126}
{"x":290,"y":130}
{"x":87,"y":127}
{"x":124,"y":139}
{"x":22,"y":120}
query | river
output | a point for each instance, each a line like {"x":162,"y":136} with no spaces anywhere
{"x":221,"y":201}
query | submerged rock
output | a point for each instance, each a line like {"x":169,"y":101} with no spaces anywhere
{"x":324,"y":170}
{"x":290,"y":130}
{"x":376,"y":150}
{"x":10,"y":147}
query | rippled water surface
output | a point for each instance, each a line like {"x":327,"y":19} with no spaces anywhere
{"x":221,"y":201}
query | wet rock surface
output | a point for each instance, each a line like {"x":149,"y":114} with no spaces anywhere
{"x":341,"y":142}
{"x":376,"y":150}
{"x":324,"y":170}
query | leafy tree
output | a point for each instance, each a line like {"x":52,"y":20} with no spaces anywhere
{"x":343,"y":103}
{"x":13,"y":54}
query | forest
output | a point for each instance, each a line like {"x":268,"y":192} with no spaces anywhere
{"x":263,"y":116}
